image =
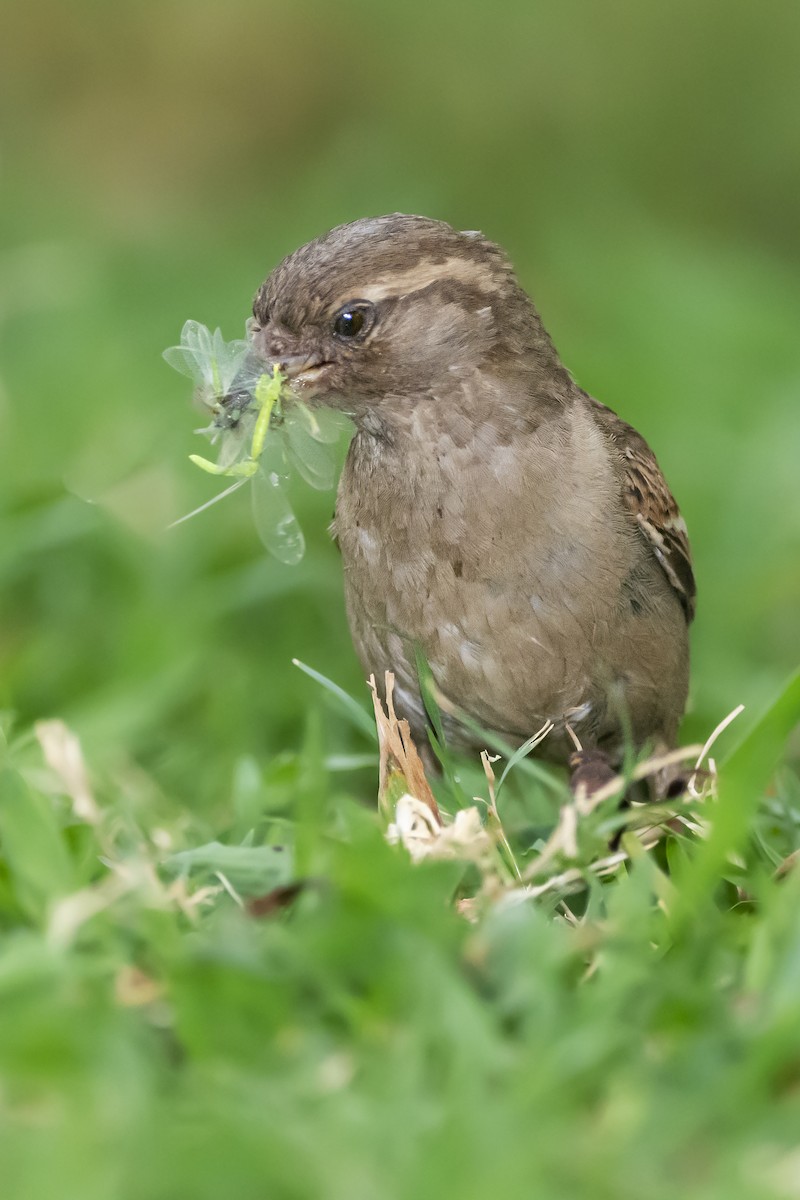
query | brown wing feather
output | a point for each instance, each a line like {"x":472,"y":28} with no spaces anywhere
{"x":651,"y":504}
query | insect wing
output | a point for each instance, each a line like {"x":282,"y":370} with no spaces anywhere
{"x":236,"y":367}
{"x":207,"y":358}
{"x":312,"y":460}
{"x":324,"y":424}
{"x":233,"y":446}
{"x":193,"y":352}
{"x":276,"y":524}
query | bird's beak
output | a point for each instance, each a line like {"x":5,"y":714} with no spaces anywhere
{"x":296,"y":365}
{"x":301,"y":370}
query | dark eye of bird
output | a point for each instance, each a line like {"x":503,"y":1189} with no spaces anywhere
{"x":352,"y":320}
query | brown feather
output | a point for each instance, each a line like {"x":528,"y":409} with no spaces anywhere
{"x":490,"y":514}
{"x":651,"y":503}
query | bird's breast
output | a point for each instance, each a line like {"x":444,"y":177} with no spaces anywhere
{"x":493,"y":558}
{"x":417,"y":515}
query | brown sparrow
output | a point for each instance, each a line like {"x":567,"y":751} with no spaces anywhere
{"x":490,"y":512}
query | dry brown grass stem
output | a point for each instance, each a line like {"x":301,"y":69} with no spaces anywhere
{"x":415,"y":820}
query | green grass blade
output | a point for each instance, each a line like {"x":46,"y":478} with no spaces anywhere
{"x":427,"y":687}
{"x":32,"y":845}
{"x":251,"y":870}
{"x":524,"y":763}
{"x":349,"y":706}
{"x":742,"y":779}
{"x":521,"y":753}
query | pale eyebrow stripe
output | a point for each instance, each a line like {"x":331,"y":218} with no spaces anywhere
{"x":404,"y":283}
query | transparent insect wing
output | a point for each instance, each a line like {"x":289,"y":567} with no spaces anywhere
{"x":313,"y":460}
{"x":197,"y":339}
{"x":207,"y":359}
{"x":324,"y":424}
{"x":183,"y":360}
{"x":192,"y":357}
{"x":248,"y":371}
{"x":273,"y":460}
{"x":276,"y":524}
{"x":229,"y":358}
{"x":234,"y":446}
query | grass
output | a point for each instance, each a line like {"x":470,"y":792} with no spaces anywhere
{"x":633,"y":1034}
{"x":167,"y":1032}
{"x":626,"y":1035}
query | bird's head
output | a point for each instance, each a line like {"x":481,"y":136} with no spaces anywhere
{"x":394,"y":306}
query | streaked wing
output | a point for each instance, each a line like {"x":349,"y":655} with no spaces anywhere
{"x":651,"y":504}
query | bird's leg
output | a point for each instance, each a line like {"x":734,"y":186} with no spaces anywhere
{"x":590,"y":769}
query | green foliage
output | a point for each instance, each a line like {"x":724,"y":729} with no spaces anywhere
{"x":33,"y":852}
{"x":169,"y":1029}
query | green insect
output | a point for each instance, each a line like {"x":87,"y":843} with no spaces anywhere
{"x":262,"y":431}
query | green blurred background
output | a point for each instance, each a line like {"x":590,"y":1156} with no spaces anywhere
{"x":639,"y":162}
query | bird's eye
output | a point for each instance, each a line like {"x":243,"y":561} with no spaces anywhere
{"x":349,"y":324}
{"x":353,"y":319}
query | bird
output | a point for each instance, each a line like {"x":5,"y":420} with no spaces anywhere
{"x":491,"y":515}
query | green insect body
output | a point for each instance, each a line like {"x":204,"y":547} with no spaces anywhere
{"x":267,"y":396}
{"x":262,"y":432}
